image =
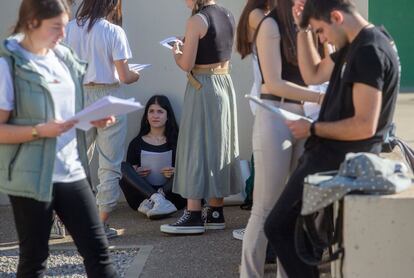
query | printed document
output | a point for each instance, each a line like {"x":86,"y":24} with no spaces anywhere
{"x":103,"y":108}
{"x":156,"y":161}
{"x":284,"y":113}
{"x":138,"y":67}
{"x":169,"y":42}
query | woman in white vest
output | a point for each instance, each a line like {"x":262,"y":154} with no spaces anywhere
{"x":104,"y":45}
{"x":42,"y":156}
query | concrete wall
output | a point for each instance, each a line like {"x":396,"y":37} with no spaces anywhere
{"x":378,"y":236}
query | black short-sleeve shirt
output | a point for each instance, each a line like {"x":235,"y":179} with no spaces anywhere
{"x":370,"y":59}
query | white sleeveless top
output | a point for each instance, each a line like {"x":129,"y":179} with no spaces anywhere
{"x":257,"y":83}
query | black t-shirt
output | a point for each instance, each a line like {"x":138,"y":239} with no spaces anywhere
{"x":371,"y":59}
{"x":138,"y":144}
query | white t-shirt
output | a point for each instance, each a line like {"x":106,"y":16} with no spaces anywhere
{"x":100,"y":47}
{"x":68,"y":167}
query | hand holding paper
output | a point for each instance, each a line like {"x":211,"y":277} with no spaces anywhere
{"x":300,"y":129}
{"x":104,"y":122}
{"x":169,"y":42}
{"x":138,"y":67}
{"x":285,"y":114}
{"x":104,"y":108}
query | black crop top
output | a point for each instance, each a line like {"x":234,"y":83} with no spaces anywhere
{"x":217,"y":44}
{"x":290,"y":72}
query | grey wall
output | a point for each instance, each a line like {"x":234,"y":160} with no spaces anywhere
{"x":146,"y":22}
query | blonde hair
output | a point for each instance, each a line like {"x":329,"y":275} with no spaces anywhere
{"x":198,"y":5}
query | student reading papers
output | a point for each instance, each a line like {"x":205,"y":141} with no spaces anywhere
{"x":147,"y":174}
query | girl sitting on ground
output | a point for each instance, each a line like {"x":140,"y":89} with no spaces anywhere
{"x":148,"y":189}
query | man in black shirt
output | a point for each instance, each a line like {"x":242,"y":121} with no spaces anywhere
{"x":356,"y":113}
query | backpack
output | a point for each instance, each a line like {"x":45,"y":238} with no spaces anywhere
{"x":318,"y":236}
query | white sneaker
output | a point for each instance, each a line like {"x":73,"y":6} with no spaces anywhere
{"x":239,"y":233}
{"x":162,"y":207}
{"x":145,"y":206}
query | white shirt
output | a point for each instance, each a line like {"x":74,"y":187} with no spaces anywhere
{"x":100,"y":47}
{"x":68,"y":167}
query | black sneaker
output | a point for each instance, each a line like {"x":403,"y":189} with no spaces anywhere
{"x":213,"y":218}
{"x":189,"y":223}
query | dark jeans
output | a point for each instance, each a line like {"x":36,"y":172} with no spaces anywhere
{"x":280,"y":224}
{"x":136,"y":188}
{"x":75,"y":205}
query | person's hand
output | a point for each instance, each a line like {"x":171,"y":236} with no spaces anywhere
{"x":168,"y":172}
{"x":103,"y":122}
{"x":177,"y":48}
{"x":142,"y":171}
{"x":300,"y":129}
{"x":297,"y":10}
{"x":54,"y":128}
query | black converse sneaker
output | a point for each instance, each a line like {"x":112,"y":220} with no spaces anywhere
{"x":213,"y":218}
{"x":189,"y":223}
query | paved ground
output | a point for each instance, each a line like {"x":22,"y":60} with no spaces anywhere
{"x":214,"y":254}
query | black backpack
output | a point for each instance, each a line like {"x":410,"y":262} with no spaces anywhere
{"x":318,"y":236}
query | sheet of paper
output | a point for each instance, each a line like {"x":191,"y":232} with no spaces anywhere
{"x":155,"y":162}
{"x":284,"y":113}
{"x":169,"y":42}
{"x":138,"y":67}
{"x":102,"y":108}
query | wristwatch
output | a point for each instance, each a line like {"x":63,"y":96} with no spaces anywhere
{"x":35,"y":134}
{"x":312,"y":129}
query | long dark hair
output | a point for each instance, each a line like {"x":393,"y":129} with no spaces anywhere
{"x":171,"y":126}
{"x":244,"y":47}
{"x":287,"y":30}
{"x":93,"y":10}
{"x":38,"y":10}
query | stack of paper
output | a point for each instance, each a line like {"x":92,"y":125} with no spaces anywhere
{"x":169,"y":42}
{"x":103,"y":108}
{"x":284,"y":113}
{"x":156,"y":161}
{"x":138,"y":67}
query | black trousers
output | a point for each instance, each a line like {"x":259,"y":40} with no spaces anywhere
{"x":74,"y":203}
{"x":280,"y":224}
{"x":136,"y":188}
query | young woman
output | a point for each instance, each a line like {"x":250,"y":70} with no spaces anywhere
{"x":207,"y":144}
{"x":105,"y":47}
{"x":43,"y":163}
{"x":147,"y":189}
{"x":275,"y":150}
{"x":253,"y":13}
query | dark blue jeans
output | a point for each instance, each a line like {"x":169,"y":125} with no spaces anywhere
{"x":280,"y":224}
{"x":75,"y":205}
